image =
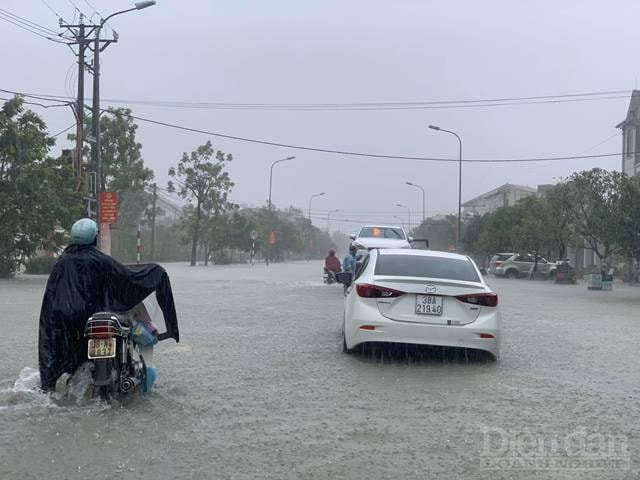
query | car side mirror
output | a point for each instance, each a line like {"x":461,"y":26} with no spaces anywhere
{"x":410,"y":239}
{"x":352,"y":236}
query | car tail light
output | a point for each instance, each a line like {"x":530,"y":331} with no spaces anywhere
{"x":486,"y":335}
{"x":373,"y":291}
{"x":489,"y":299}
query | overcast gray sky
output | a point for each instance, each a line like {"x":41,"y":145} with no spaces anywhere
{"x":351,"y":51}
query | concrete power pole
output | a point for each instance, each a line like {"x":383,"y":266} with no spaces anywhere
{"x":153,"y":222}
{"x":80,"y":34}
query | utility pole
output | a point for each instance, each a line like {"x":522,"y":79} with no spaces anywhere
{"x":80,"y":104}
{"x":80,"y":33}
{"x":153,"y":223}
{"x":98,"y":46}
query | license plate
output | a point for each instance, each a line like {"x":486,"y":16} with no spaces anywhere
{"x":102,"y":348}
{"x":429,"y":305}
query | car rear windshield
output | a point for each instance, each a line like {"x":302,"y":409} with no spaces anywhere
{"x":502,"y":257}
{"x":428,"y":267}
{"x":382,"y":232}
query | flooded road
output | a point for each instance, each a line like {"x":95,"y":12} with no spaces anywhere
{"x":259,"y":388}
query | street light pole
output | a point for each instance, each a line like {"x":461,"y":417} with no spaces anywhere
{"x":95,"y":152}
{"x":408,"y":212}
{"x":329,"y":219}
{"x":311,"y":198}
{"x":423,"y":199}
{"x":459,"y":229}
{"x":271,"y":176}
{"x":401,"y":220}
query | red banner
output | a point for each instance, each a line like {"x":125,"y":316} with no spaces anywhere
{"x":109,"y":207}
{"x":272,"y":238}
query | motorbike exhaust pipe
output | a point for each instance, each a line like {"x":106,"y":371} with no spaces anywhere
{"x":127,"y":384}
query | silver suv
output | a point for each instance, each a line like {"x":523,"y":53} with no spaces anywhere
{"x":514,"y":265}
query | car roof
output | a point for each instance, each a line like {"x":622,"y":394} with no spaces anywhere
{"x":421,"y":253}
{"x":377,"y":225}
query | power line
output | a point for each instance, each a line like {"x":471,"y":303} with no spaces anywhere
{"x":496,"y":102}
{"x":371,"y":155}
{"x":28,"y":29}
{"x":617,"y":134}
{"x":65,"y":130}
{"x":38,"y":104}
{"x":28,"y":22}
{"x":46,"y":4}
{"x":343,"y":152}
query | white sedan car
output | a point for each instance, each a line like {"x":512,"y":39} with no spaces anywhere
{"x":380,"y":236}
{"x":421,"y":297}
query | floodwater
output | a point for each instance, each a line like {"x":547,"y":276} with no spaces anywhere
{"x":259,"y":388}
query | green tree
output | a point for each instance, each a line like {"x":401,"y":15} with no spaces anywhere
{"x":123,"y":168}
{"x":557,"y":207}
{"x":497,"y":234}
{"x":36,"y":191}
{"x":628,"y":235}
{"x":530,"y":231}
{"x":201,"y":178}
{"x":596,"y":209}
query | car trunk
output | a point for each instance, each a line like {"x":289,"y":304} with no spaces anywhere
{"x":404,"y":308}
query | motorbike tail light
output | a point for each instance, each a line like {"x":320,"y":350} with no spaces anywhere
{"x":366,"y":290}
{"x":489,"y":299}
{"x":101,"y":330}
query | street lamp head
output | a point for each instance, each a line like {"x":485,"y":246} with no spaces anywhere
{"x":290,"y":158}
{"x":322,"y":193}
{"x":434,"y":127}
{"x":409,"y":183}
{"x":141,"y":5}
{"x":399,"y":205}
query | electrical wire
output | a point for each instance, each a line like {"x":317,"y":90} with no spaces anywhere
{"x":28,"y":29}
{"x":617,"y":134}
{"x":372,"y":155}
{"x":496,"y":102}
{"x":65,"y":130}
{"x":46,"y":4}
{"x":28,"y":22}
{"x":38,"y":104}
{"x":342,"y":152}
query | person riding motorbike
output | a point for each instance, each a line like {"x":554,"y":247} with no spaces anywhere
{"x":331,"y":265}
{"x":349,"y":262}
{"x":85,"y":281}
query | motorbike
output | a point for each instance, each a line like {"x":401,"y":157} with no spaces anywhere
{"x":329,"y":277}
{"x":120,"y":353}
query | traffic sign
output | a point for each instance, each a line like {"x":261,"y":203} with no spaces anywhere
{"x":253,"y":235}
{"x":109,"y":207}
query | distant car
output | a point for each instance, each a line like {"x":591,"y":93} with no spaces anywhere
{"x":380,"y":236}
{"x":514,"y":265}
{"x":421,"y":297}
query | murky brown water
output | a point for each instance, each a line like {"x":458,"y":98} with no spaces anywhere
{"x":259,"y":388}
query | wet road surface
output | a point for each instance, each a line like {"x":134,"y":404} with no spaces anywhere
{"x":259,"y":388}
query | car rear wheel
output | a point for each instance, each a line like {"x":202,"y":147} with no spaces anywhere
{"x":511,"y":274}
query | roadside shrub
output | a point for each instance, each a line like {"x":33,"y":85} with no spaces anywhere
{"x":40,"y":265}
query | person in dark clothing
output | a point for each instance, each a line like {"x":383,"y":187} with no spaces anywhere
{"x":85,"y":281}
